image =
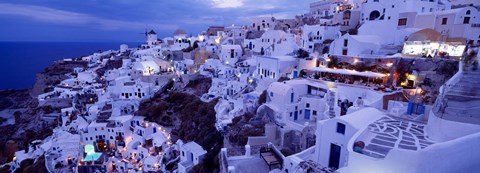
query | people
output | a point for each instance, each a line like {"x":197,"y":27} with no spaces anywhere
{"x":359,"y":102}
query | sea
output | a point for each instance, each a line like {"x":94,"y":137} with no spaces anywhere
{"x":21,"y":61}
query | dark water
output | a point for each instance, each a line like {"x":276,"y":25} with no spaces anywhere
{"x":20,"y":61}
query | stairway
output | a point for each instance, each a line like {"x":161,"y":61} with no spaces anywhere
{"x":461,"y":100}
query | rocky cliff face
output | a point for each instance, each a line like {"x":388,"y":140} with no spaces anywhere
{"x":53,"y":75}
{"x":21,"y":115}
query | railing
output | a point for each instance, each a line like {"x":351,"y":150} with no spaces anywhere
{"x":223,"y":162}
{"x":475,"y":25}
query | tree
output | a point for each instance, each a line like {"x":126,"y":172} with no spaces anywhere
{"x":333,"y":62}
{"x":262,"y":98}
{"x":302,"y":53}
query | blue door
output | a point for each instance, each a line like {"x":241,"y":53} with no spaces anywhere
{"x":295,"y":74}
{"x":295,"y":115}
{"x":307,"y":114}
{"x":334,"y":160}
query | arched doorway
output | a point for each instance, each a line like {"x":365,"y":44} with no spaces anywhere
{"x":374,"y":15}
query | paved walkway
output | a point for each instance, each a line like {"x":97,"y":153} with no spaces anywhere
{"x":392,"y":133}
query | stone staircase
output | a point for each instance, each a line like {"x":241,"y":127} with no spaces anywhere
{"x":461,"y":100}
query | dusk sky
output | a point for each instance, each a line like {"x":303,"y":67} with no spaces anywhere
{"x":123,"y":20}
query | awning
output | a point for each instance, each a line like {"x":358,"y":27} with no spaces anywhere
{"x":348,"y":72}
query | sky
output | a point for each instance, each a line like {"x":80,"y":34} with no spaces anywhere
{"x":124,"y":20}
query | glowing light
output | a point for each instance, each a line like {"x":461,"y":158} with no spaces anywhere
{"x":328,"y":60}
{"x":411,"y":77}
{"x":418,"y":91}
{"x":355,"y":60}
{"x":389,"y":64}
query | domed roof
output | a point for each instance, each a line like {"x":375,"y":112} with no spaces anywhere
{"x":180,"y":32}
{"x":152,"y":32}
{"x":425,"y":34}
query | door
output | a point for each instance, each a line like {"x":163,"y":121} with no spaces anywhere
{"x":295,"y":74}
{"x":295,"y":115}
{"x":307,"y":114}
{"x":334,"y":160}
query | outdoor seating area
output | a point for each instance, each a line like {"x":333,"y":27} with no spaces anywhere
{"x":373,"y":80}
{"x":270,"y":157}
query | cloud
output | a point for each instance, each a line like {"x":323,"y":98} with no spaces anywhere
{"x":51,"y":15}
{"x":227,"y":3}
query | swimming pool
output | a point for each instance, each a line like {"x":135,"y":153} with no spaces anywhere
{"x":92,"y":157}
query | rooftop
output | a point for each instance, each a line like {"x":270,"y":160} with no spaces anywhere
{"x":389,"y":133}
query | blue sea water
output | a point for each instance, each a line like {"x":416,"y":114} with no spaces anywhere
{"x":21,"y":61}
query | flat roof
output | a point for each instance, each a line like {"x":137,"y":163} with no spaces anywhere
{"x":348,"y":72}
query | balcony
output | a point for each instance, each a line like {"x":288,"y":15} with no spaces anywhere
{"x":475,"y":25}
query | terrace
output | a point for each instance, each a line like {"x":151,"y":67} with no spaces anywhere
{"x":389,"y":133}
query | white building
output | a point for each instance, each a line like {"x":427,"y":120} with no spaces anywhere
{"x":263,"y":23}
{"x":317,"y":34}
{"x":180,"y":40}
{"x":146,"y":67}
{"x":275,"y":66}
{"x":356,"y":45}
{"x":191,"y":154}
{"x":230,"y":54}
{"x":454,"y":23}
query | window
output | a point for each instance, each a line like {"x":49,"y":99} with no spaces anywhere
{"x":444,"y":21}
{"x":291,"y":114}
{"x":307,"y":105}
{"x":271,"y":94}
{"x":423,"y":9}
{"x":341,"y":128}
{"x":345,"y":43}
{"x":466,"y":20}
{"x":402,"y":22}
{"x":291,"y":97}
{"x":468,"y":12}
{"x":314,"y":112}
{"x":344,"y":52}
